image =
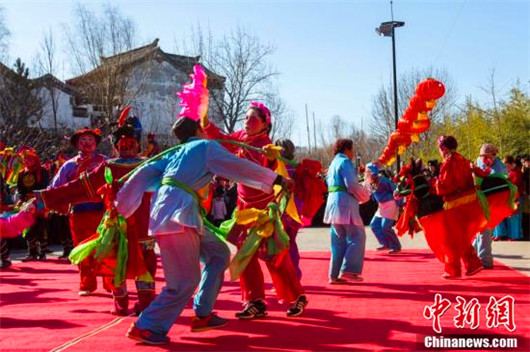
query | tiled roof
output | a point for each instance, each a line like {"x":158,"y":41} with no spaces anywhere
{"x":50,"y":80}
{"x":134,"y":56}
{"x":39,"y":81}
{"x":9,"y":73}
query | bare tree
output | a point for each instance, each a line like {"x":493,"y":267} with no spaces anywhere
{"x":242,"y":59}
{"x":47,"y":63}
{"x":282,"y":116}
{"x":97,"y":35}
{"x":382,"y":117}
{"x":494,"y":111}
{"x":18,"y":103}
{"x":382,"y":121}
{"x":20,"y":108}
{"x":4,"y":36}
{"x":366,"y":146}
{"x":338,"y":127}
{"x":108,"y":78}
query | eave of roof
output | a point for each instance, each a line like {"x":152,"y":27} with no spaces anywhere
{"x":132,"y":57}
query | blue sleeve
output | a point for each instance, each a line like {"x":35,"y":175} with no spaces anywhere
{"x":388,"y":186}
{"x":64,"y":174}
{"x":498,"y":167}
{"x":223,"y":163}
{"x":348,"y":174}
{"x":130,"y":195}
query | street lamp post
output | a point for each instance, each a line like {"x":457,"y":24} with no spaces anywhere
{"x":387,"y":29}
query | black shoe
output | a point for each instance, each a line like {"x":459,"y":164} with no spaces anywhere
{"x":5,"y":264}
{"x":254,"y":309}
{"x":66,"y":253}
{"x":42,"y":257}
{"x":297,"y":307}
{"x":30,"y":258}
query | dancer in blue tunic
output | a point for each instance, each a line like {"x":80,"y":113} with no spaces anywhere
{"x":348,"y":237}
{"x":179,"y":180}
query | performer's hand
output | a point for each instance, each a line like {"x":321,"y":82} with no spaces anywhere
{"x":272,"y":151}
{"x":29,"y":207}
{"x":39,"y":203}
{"x":109,"y":189}
{"x":288,"y":183}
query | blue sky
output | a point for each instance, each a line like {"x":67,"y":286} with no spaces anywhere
{"x":328,"y":53}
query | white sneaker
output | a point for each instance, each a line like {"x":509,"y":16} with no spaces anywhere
{"x":337,"y":281}
{"x":84,"y":293}
{"x":351,"y":277}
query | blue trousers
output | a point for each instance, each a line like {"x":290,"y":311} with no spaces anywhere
{"x":347,"y":249}
{"x":181,"y":253}
{"x":385,"y":234}
{"x":482,"y":245}
{"x":501,"y":230}
{"x":515,"y":223}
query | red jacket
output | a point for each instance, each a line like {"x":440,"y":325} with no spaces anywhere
{"x":247,"y":197}
{"x":516,"y":177}
{"x":455,"y":178}
{"x":84,"y":188}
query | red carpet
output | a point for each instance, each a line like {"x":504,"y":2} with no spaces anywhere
{"x":40,"y":310}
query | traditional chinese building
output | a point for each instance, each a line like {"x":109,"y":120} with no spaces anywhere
{"x":147,"y":79}
{"x":54,"y":106}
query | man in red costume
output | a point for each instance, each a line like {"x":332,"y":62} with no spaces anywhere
{"x":84,"y":217}
{"x":141,"y":254}
{"x":455,"y":183}
{"x":288,"y":288}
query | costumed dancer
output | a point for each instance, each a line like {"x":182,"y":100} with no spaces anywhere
{"x":256,"y":130}
{"x":11,"y":225}
{"x":348,"y":238}
{"x":290,"y":225}
{"x":514,"y":223}
{"x":455,"y":183}
{"x":526,"y":196}
{"x":5,"y":205}
{"x":59,"y":223}
{"x":387,"y":212}
{"x":152,"y":146}
{"x":141,"y":254}
{"x":33,"y":177}
{"x":488,"y":164}
{"x":177,"y":224}
{"x":434,"y":168}
{"x":84,"y":217}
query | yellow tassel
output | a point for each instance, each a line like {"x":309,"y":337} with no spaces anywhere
{"x":258,"y":219}
{"x":266,"y":230}
{"x":247,"y":216}
{"x":460,"y":201}
{"x":291,"y":210}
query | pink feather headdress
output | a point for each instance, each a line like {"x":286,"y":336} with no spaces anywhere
{"x":194,"y":95}
{"x":264,"y":109}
